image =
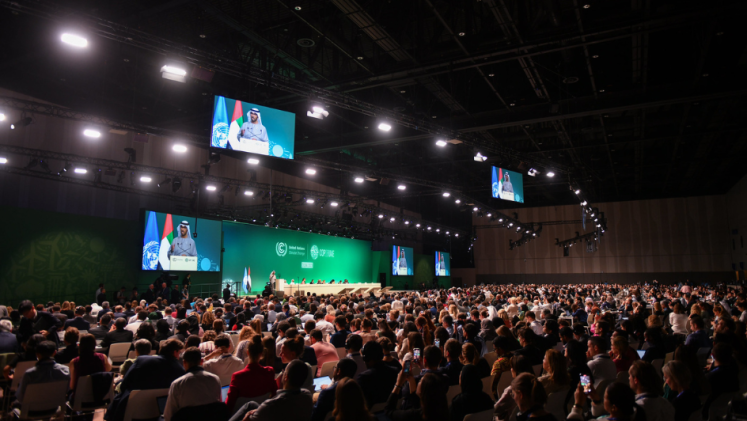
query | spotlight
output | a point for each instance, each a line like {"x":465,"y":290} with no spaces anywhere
{"x":174,"y":72}
{"x":457,"y":201}
{"x":550,"y":174}
{"x":577,"y":191}
{"x":318,"y":113}
{"x":359,"y":179}
{"x":446,"y":194}
{"x":179,"y":148}
{"x":80,"y":171}
{"x":500,"y":219}
{"x":385,"y":127}
{"x":3,"y":160}
{"x":480,"y":157}
{"x":489,"y":214}
{"x":211,"y":188}
{"x":22,"y":122}
{"x":309,"y":201}
{"x":401,"y":187}
{"x":407,"y":222}
{"x":74,"y":40}
{"x":417,"y":225}
{"x":475,"y":209}
{"x":164,"y":182}
{"x":461,"y":34}
{"x":456,"y":235}
{"x":586,"y":6}
{"x":91,"y":133}
{"x":429,"y":228}
{"x":2,"y":117}
{"x":145,"y":179}
{"x":583,"y":203}
{"x":381,"y":216}
{"x":441,"y":143}
{"x":248,"y":193}
{"x":310,"y":171}
{"x":253,"y":161}
{"x":334,"y":204}
{"x":391,"y":219}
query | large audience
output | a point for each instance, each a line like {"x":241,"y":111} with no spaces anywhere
{"x":506,"y":352}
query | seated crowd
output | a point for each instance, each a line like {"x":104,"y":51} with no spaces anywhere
{"x":546,"y":352}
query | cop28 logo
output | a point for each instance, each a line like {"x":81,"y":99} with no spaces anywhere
{"x":314,"y":252}
{"x":281,"y":249}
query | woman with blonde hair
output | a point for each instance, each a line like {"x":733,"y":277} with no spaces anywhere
{"x":471,"y":356}
{"x":556,"y":374}
{"x":503,"y":314}
{"x":454,"y":311}
{"x":512,"y":309}
{"x":330,"y":316}
{"x":622,"y":354}
{"x":207,"y":320}
{"x":350,"y":403}
{"x":245,"y":334}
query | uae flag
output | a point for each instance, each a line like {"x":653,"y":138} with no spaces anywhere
{"x":247,"y":283}
{"x":166,"y":239}
{"x":236,"y":121}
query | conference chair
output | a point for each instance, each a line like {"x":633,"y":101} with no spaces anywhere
{"x":658,"y":364}
{"x":490,"y":357}
{"x":328,"y":369}
{"x":452,"y":393}
{"x":702,"y":355}
{"x":118,"y":352}
{"x":243,"y":401}
{"x":602,"y":387}
{"x":556,"y":403}
{"x":84,"y":399}
{"x":20,"y":370}
{"x":313,"y":370}
{"x":142,"y":404}
{"x":720,"y":406}
{"x":503,"y":383}
{"x":487,"y":385}
{"x":342,"y":352}
{"x":486,"y":415}
{"x":42,"y":400}
{"x":537,"y":369}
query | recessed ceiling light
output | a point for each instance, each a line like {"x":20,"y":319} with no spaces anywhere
{"x":512,"y":104}
{"x":461,"y":34}
{"x":249,"y":193}
{"x":601,"y":90}
{"x":297,"y":8}
{"x":446,"y":194}
{"x":595,"y":56}
{"x":91,"y":133}
{"x":401,"y":187}
{"x":402,"y":92}
{"x":441,"y":143}
{"x":146,"y":179}
{"x":360,"y":57}
{"x":385,"y":127}
{"x":309,"y":201}
{"x":3,"y":160}
{"x":80,"y":171}
{"x":179,"y":148}
{"x":434,"y":116}
{"x":586,"y":6}
{"x":210,"y":188}
{"x":359,"y":179}
{"x":310,"y":171}
{"x":74,"y":40}
{"x":457,"y":201}
{"x":202,"y":35}
{"x":334,"y":204}
{"x":253,"y":161}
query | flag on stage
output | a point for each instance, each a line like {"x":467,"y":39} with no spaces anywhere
{"x":247,"y":280}
{"x":150,"y":243}
{"x":166,"y":239}
{"x":219,"y":137}
{"x":236,"y":121}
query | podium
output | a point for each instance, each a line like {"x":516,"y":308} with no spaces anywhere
{"x":183,"y":263}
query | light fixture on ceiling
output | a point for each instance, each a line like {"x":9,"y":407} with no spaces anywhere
{"x":297,"y":8}
{"x":446,"y":194}
{"x":360,"y":57}
{"x":385,"y":127}
{"x":532,"y":172}
{"x":441,"y":143}
{"x":2,"y":117}
{"x":457,"y":201}
{"x":550,"y":174}
{"x":491,"y":74}
{"x":179,"y":148}
{"x":248,"y":193}
{"x":317,"y":112}
{"x":475,"y":209}
{"x":401,"y":187}
{"x":480,"y":157}
{"x":359,"y":179}
{"x":309,"y":201}
{"x":145,"y":179}
{"x":91,"y":133}
{"x":74,"y":40}
{"x":174,"y":72}
{"x":3,"y":160}
{"x":417,"y":225}
{"x":310,"y":171}
{"x":334,"y":204}
{"x":381,"y":216}
{"x":461,"y":34}
{"x":80,"y":170}
{"x":577,"y":191}
{"x":253,"y":161}
{"x":211,"y":188}
{"x":586,"y":6}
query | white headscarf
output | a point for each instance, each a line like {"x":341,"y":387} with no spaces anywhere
{"x":255,"y":111}
{"x":186,"y":225}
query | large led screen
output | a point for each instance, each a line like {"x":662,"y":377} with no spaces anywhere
{"x":181,"y":243}
{"x":246,"y":127}
{"x":402,"y":261}
{"x":508,"y":185}
{"x":253,"y":252}
{"x":443,"y":265}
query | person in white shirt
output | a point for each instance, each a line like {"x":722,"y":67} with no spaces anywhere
{"x":169,"y":318}
{"x":742,"y":306}
{"x":221,"y":362}
{"x":600,"y":364}
{"x":305,"y":317}
{"x":678,"y":320}
{"x":536,"y":326}
{"x":197,"y":387}
{"x":133,"y":326}
{"x":326,"y":327}
{"x":647,"y":386}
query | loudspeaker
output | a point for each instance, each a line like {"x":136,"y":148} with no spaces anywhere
{"x":382,"y":279}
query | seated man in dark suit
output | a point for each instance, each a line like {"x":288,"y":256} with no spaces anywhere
{"x":148,"y":372}
{"x":453,"y":368}
{"x":8,"y":342}
{"x":119,"y":334}
{"x":100,"y":331}
{"x":655,"y":350}
{"x":379,"y":379}
{"x":78,"y":322}
{"x":339,"y":338}
{"x":723,"y":374}
{"x":326,"y":401}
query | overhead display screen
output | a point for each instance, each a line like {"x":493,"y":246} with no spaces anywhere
{"x":253,"y":252}
{"x":443,"y":265}
{"x":246,"y":127}
{"x":402,"y":261}
{"x":508,"y":185}
{"x":181,"y":243}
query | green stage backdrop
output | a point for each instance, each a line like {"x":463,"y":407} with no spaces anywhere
{"x":291,"y":254}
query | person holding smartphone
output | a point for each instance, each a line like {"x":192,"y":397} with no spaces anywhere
{"x":427,"y":403}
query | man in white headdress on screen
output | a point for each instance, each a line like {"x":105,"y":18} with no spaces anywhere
{"x":183,"y":245}
{"x":253,"y":129}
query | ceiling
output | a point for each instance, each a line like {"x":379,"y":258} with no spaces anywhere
{"x":623,"y":99}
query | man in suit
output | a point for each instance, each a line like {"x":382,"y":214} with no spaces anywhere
{"x":326,"y":401}
{"x":8,"y":341}
{"x":150,"y":294}
{"x":101,"y":331}
{"x":118,"y":335}
{"x":453,"y":367}
{"x":78,"y":321}
{"x":379,"y":378}
{"x":104,"y":309}
{"x":148,"y":372}
{"x":338,"y":338}
{"x":600,"y":364}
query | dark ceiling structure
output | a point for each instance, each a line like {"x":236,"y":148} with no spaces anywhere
{"x":623,"y":99}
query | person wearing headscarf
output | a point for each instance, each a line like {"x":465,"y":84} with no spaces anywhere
{"x":253,"y":129}
{"x":472,"y":399}
{"x":487,"y":331}
{"x":183,"y":245}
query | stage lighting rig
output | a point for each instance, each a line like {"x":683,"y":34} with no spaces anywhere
{"x":176,"y":184}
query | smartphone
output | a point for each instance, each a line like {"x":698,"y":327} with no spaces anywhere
{"x":437,"y":343}
{"x":407,"y":366}
{"x":586,"y":383}
{"x":416,"y":354}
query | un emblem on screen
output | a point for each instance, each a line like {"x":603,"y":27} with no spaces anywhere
{"x":314,"y":252}
{"x":220,"y":135}
{"x":281,"y":249}
{"x":150,"y":255}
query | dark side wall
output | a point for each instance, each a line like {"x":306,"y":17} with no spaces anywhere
{"x":49,"y":256}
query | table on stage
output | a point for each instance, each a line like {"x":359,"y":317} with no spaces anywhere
{"x":326,"y":288}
